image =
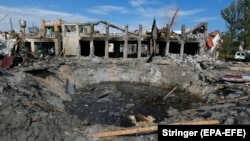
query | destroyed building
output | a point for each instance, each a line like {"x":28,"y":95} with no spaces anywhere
{"x":73,"y":99}
{"x":58,"y":38}
{"x":84,"y":41}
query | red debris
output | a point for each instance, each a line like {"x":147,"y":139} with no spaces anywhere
{"x":6,"y":62}
{"x":233,"y":76}
{"x":209,"y":42}
{"x":236,"y":78}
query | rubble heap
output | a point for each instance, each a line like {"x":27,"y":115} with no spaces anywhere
{"x":33,"y":96}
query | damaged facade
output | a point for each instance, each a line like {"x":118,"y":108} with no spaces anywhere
{"x":84,"y":41}
{"x":59,"y":38}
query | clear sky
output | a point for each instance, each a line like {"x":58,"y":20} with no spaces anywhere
{"x":117,"y":12}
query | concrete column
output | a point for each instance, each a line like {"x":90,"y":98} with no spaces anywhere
{"x":92,"y":48}
{"x":56,"y":46}
{"x":139,"y":42}
{"x":60,"y":47}
{"x":183,"y":40}
{"x":78,"y":48}
{"x":125,"y":52}
{"x":107,"y":42}
{"x":182,"y":50}
{"x":33,"y":47}
{"x":167,"y":39}
{"x":202,"y":42}
{"x":92,"y":29}
{"x":77,"y":29}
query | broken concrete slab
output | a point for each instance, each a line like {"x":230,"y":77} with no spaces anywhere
{"x":216,"y":107}
{"x":70,"y":87}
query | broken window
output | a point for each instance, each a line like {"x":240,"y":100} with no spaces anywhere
{"x":83,"y":29}
{"x":70,"y":30}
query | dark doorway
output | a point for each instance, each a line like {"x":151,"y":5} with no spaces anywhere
{"x":99,"y":47}
{"x":191,"y":48}
{"x":174,"y":47}
{"x":85,"y":48}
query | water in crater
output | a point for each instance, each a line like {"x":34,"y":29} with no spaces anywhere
{"x":111,"y":103}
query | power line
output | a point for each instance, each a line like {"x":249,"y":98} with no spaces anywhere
{"x":4,"y":17}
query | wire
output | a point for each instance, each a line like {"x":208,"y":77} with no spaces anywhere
{"x":4,"y":17}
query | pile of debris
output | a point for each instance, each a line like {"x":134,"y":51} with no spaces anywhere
{"x":36,"y":94}
{"x":15,"y":52}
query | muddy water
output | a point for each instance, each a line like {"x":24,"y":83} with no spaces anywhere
{"x":112,"y":103}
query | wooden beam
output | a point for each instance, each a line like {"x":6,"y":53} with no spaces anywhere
{"x":164,"y":98}
{"x":240,"y":68}
{"x":152,"y":128}
{"x":127,"y":131}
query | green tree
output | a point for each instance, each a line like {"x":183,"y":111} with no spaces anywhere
{"x":226,"y":50}
{"x":237,"y":17}
{"x":246,"y":33}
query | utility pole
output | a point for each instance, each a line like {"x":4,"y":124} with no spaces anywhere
{"x":11,"y":28}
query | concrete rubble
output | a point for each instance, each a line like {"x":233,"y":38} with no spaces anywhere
{"x":34,"y":98}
